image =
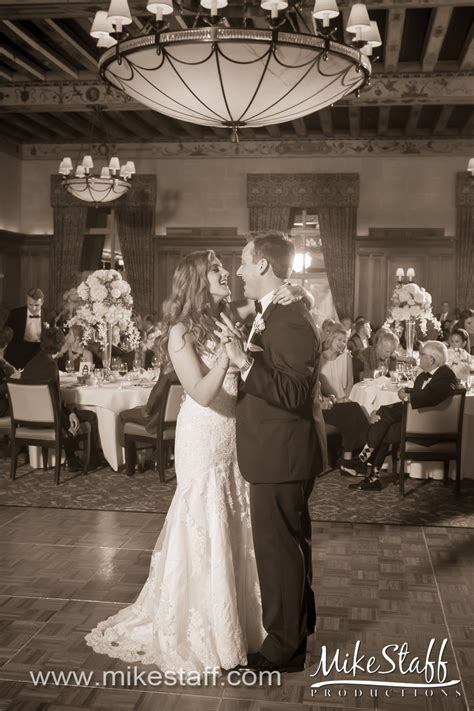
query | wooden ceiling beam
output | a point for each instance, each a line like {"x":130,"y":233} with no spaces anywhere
{"x":32,"y":129}
{"x":435,"y":37}
{"x":22,"y":63}
{"x":396,"y":21}
{"x":84,"y":55}
{"x":354,"y":121}
{"x":300,"y":128}
{"x":160,"y":124}
{"x":14,"y":132}
{"x":79,"y":125}
{"x":383,"y":120}
{"x":467,"y":53}
{"x":442,"y":122}
{"x":7,"y":74}
{"x":273,"y":131}
{"x":48,"y":122}
{"x":325,"y":119}
{"x":32,"y":42}
{"x":412,"y":122}
{"x":468,"y":128}
{"x":192,"y":129}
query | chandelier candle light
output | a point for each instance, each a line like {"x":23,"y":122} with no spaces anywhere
{"x":220,"y":72}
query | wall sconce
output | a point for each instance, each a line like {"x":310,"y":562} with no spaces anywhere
{"x":470,"y":167}
{"x":400,"y":273}
{"x":410,"y":273}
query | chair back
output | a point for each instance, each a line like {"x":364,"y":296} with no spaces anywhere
{"x":445,"y":419}
{"x":173,"y":403}
{"x":33,"y":402}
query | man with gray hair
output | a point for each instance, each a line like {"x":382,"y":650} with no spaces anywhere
{"x":382,"y":353}
{"x":434,"y":384}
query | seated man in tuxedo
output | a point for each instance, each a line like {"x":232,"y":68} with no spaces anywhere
{"x":436,"y":383}
{"x":27,"y":323}
{"x":42,"y":368}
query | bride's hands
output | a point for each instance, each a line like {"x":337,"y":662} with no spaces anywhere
{"x":230,"y":336}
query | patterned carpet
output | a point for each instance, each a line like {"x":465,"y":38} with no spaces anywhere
{"x":427,"y":503}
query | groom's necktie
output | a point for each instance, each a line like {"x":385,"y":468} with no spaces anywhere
{"x":258,"y":307}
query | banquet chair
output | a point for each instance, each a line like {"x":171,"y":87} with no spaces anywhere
{"x":166,"y":428}
{"x":5,"y":427}
{"x":36,"y":421}
{"x":433,"y":434}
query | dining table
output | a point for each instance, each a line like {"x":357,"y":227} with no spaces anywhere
{"x":373,"y":393}
{"x":107,"y":400}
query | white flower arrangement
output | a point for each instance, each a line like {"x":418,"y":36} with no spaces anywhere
{"x":411,"y":302}
{"x":105,"y":305}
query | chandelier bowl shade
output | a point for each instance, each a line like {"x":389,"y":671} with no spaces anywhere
{"x":96,"y":190}
{"x":235,"y":77}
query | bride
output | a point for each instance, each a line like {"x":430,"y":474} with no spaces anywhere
{"x":200,"y":606}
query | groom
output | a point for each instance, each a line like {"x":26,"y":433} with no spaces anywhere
{"x":277,"y":449}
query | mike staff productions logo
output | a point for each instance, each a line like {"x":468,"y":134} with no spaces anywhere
{"x":356,"y":674}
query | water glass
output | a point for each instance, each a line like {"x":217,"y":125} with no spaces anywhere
{"x":115,"y":363}
{"x":70,"y":366}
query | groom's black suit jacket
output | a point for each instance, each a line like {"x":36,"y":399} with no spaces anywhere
{"x":276,"y":436}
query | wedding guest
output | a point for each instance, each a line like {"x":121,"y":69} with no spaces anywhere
{"x":446,"y":328}
{"x":360,"y":337}
{"x":446,"y":314}
{"x":346,"y":323}
{"x":336,"y":384}
{"x":466,"y":322}
{"x":436,"y":383}
{"x":381,"y":355}
{"x":27,"y":323}
{"x":42,"y":368}
{"x":73,"y":350}
{"x":326,"y":327}
{"x":6,"y":370}
{"x":459,"y":359}
{"x":150,"y":333}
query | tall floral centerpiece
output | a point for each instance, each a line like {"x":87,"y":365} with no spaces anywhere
{"x":104,"y":311}
{"x":411,"y":304}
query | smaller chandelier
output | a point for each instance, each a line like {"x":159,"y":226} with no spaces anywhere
{"x":113,"y":182}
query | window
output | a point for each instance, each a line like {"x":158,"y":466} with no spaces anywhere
{"x":309,"y":268}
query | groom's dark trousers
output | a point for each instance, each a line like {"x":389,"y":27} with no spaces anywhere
{"x":279,"y":455}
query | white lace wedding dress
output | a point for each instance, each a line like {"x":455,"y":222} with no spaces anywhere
{"x":200,"y":605}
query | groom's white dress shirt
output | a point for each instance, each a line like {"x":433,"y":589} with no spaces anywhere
{"x":265,"y":302}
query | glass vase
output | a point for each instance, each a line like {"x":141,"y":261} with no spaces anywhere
{"x":410,"y":329}
{"x":107,"y":357}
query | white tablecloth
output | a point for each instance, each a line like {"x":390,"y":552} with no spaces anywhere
{"x":107,"y":401}
{"x":371,"y":396}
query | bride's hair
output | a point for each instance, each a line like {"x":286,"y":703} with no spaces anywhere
{"x":189,"y":303}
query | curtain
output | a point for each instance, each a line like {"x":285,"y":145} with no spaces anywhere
{"x":465,"y":256}
{"x":338,"y":233}
{"x":269,"y":218}
{"x":69,"y":228}
{"x":135,"y":227}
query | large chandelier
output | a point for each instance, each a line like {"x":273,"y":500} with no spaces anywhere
{"x":220,"y":72}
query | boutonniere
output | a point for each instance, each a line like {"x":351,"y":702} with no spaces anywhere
{"x":259,"y":325}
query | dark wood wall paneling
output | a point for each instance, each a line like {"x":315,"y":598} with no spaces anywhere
{"x":378,"y":256}
{"x":25,"y":262}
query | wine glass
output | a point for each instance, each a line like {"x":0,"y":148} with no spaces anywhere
{"x":115,"y":364}
{"x":99,"y":374}
{"x":123,"y":369}
{"x":70,"y":366}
